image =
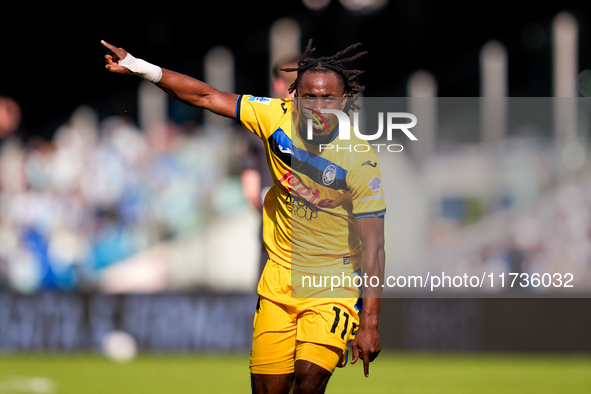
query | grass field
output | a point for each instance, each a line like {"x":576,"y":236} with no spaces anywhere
{"x":390,"y":373}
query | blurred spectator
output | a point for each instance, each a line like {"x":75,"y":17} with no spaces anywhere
{"x":283,"y":80}
{"x":99,"y":193}
{"x":10,"y":116}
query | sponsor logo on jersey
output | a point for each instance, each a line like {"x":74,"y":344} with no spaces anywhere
{"x":372,"y":198}
{"x":295,"y":186}
{"x":375,"y":184}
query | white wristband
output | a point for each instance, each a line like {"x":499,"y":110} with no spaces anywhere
{"x":148,"y":71}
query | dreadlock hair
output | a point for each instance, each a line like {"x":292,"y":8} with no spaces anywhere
{"x":335,"y":63}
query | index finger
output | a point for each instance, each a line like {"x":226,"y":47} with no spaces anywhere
{"x":365,"y":359}
{"x":109,"y":46}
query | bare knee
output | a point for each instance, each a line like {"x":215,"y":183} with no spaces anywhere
{"x":310,"y":378}
{"x":271,"y":384}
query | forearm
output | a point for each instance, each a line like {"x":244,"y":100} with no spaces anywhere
{"x":182,"y":87}
{"x":367,"y":344}
{"x":196,"y":93}
{"x":371,"y":234}
{"x":371,"y":313}
{"x":373,"y":267}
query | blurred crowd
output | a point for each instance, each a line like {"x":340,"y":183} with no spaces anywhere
{"x":554,"y":237}
{"x":541,"y":225}
{"x":99,"y":192}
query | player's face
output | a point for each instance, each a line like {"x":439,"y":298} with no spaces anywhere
{"x":320,"y":91}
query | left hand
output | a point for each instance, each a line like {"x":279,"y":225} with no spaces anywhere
{"x":366,"y":346}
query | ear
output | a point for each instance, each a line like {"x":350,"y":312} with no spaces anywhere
{"x":344,"y":102}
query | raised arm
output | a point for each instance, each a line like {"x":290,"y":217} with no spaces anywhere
{"x":366,"y":344}
{"x":181,"y":87}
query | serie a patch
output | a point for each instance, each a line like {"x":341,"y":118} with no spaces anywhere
{"x":260,"y":100}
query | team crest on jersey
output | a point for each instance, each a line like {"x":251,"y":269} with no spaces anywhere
{"x":261,"y":100}
{"x":329,"y":175}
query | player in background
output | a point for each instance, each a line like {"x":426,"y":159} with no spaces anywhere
{"x":282,"y":80}
{"x":312,"y":346}
{"x":255,"y":175}
{"x":10,"y":116}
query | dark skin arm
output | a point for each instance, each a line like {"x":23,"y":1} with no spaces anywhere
{"x":366,"y":344}
{"x":181,"y":87}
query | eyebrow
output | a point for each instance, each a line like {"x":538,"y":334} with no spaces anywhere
{"x":324,"y":95}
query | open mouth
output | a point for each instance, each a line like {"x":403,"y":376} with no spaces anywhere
{"x":317,"y":116}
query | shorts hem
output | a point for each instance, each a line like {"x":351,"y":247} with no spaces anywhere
{"x":319,"y":362}
{"x":261,"y":370}
{"x":341,"y":345}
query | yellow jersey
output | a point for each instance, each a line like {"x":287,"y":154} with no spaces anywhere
{"x":309,"y":214}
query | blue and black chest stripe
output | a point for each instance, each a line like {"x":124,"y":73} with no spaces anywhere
{"x":317,"y":168}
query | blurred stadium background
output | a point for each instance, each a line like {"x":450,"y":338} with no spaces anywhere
{"x":122,"y":211}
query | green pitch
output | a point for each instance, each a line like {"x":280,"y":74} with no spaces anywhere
{"x":390,"y":373}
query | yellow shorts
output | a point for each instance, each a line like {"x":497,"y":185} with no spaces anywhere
{"x":289,"y":329}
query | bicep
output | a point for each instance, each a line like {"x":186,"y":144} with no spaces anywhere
{"x":196,"y":93}
{"x":223,"y":103}
{"x":371,"y":231}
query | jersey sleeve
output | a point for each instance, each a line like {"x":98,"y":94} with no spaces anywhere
{"x":364,"y":180}
{"x":261,"y":115}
